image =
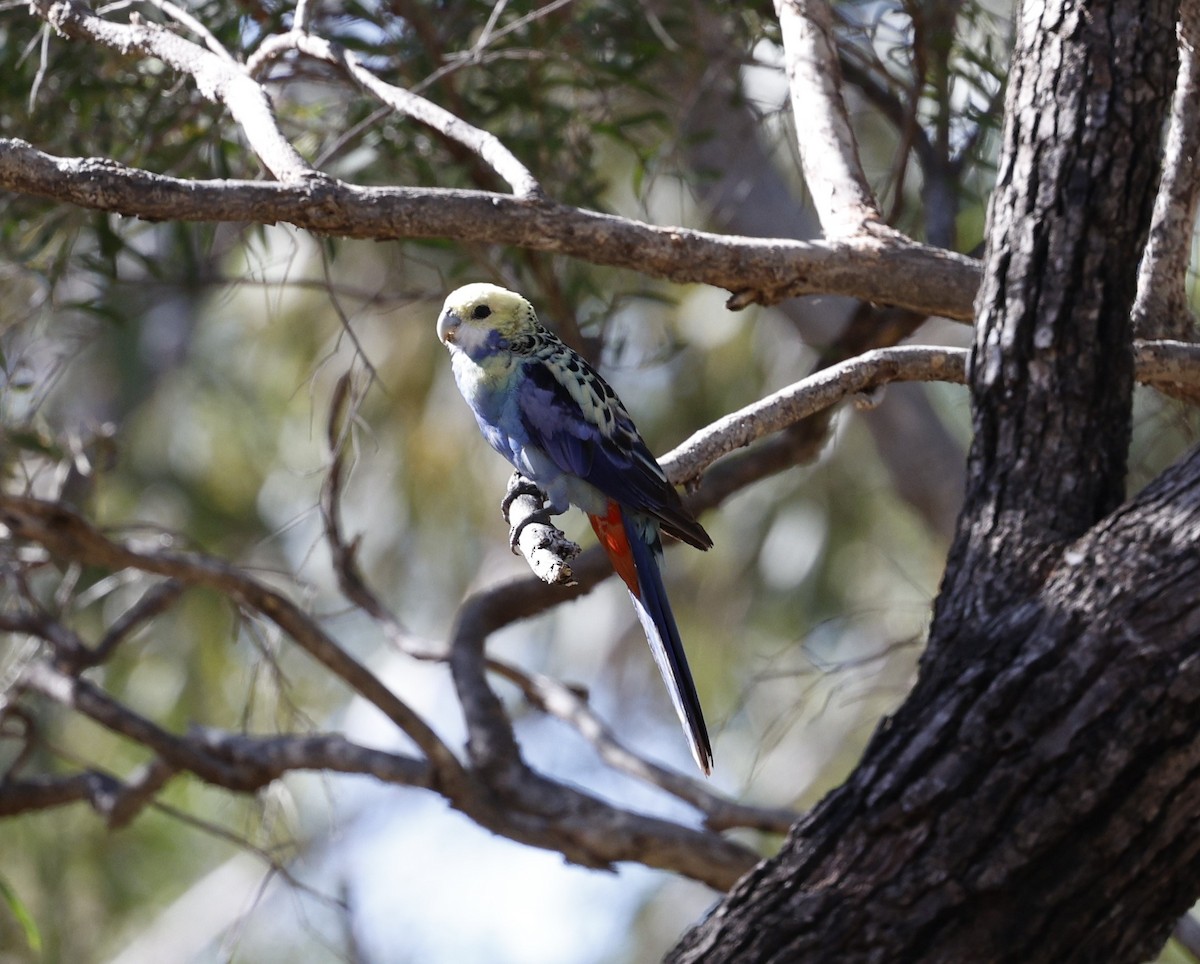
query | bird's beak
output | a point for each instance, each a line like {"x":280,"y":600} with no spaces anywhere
{"x":447,"y":326}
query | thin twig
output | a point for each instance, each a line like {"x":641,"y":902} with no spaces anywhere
{"x":565,"y":703}
{"x":244,"y":845}
{"x":484,"y":144}
{"x":156,"y":601}
{"x":476,"y":54}
{"x":343,"y":407}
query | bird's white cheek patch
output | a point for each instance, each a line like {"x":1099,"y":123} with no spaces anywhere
{"x":470,"y":339}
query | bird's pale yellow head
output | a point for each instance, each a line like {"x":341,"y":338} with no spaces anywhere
{"x":484,"y":318}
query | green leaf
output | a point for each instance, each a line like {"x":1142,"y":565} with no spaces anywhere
{"x":33,"y":936}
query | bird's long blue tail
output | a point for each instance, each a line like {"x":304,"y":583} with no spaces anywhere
{"x":654,"y":613}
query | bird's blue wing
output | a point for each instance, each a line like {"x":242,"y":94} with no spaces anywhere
{"x":598,"y":442}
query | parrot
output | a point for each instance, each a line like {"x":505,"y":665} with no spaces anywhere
{"x":561,"y":426}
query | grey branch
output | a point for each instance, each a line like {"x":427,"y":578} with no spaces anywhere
{"x":809,"y":395}
{"x":499,"y":792}
{"x":1160,"y":364}
{"x":1161,"y":308}
{"x":19,"y":796}
{"x":88,"y":699}
{"x":1168,"y":366}
{"x":757,"y":270}
{"x":252,"y":761}
{"x":828,"y":152}
{"x":266,"y":758}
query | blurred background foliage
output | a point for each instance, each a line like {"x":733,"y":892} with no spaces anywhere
{"x":173,"y":382}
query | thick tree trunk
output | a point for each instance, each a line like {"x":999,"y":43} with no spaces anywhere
{"x":1041,"y":805}
{"x":1037,"y":797}
{"x":1053,"y":368}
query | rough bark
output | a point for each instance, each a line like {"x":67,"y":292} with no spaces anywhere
{"x":1053,"y":361}
{"x":1036,"y":797}
{"x":996,"y":817}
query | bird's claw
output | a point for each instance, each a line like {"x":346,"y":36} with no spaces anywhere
{"x":518,"y":486}
{"x":541,"y":516}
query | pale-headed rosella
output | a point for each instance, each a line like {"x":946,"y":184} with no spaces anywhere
{"x":546,"y":410}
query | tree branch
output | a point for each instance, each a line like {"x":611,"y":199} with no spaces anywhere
{"x":64,"y":533}
{"x":756,"y":270}
{"x":1161,"y":309}
{"x":508,"y":798}
{"x":266,"y":758}
{"x":567,"y":704}
{"x":545,"y":547}
{"x":44,"y":793}
{"x":1172,"y":367}
{"x":92,"y":702}
{"x":828,"y":152}
{"x":531,"y":808}
{"x":827,"y":387}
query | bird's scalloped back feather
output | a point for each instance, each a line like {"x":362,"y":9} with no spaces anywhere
{"x":616,"y":462}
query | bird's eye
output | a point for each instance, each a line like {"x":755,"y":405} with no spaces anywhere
{"x":481,"y":312}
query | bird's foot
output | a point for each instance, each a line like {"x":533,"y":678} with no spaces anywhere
{"x":519,"y":486}
{"x":547,"y":554}
{"x":540,"y":516}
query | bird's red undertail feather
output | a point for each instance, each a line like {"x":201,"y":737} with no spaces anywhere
{"x":611,"y":533}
